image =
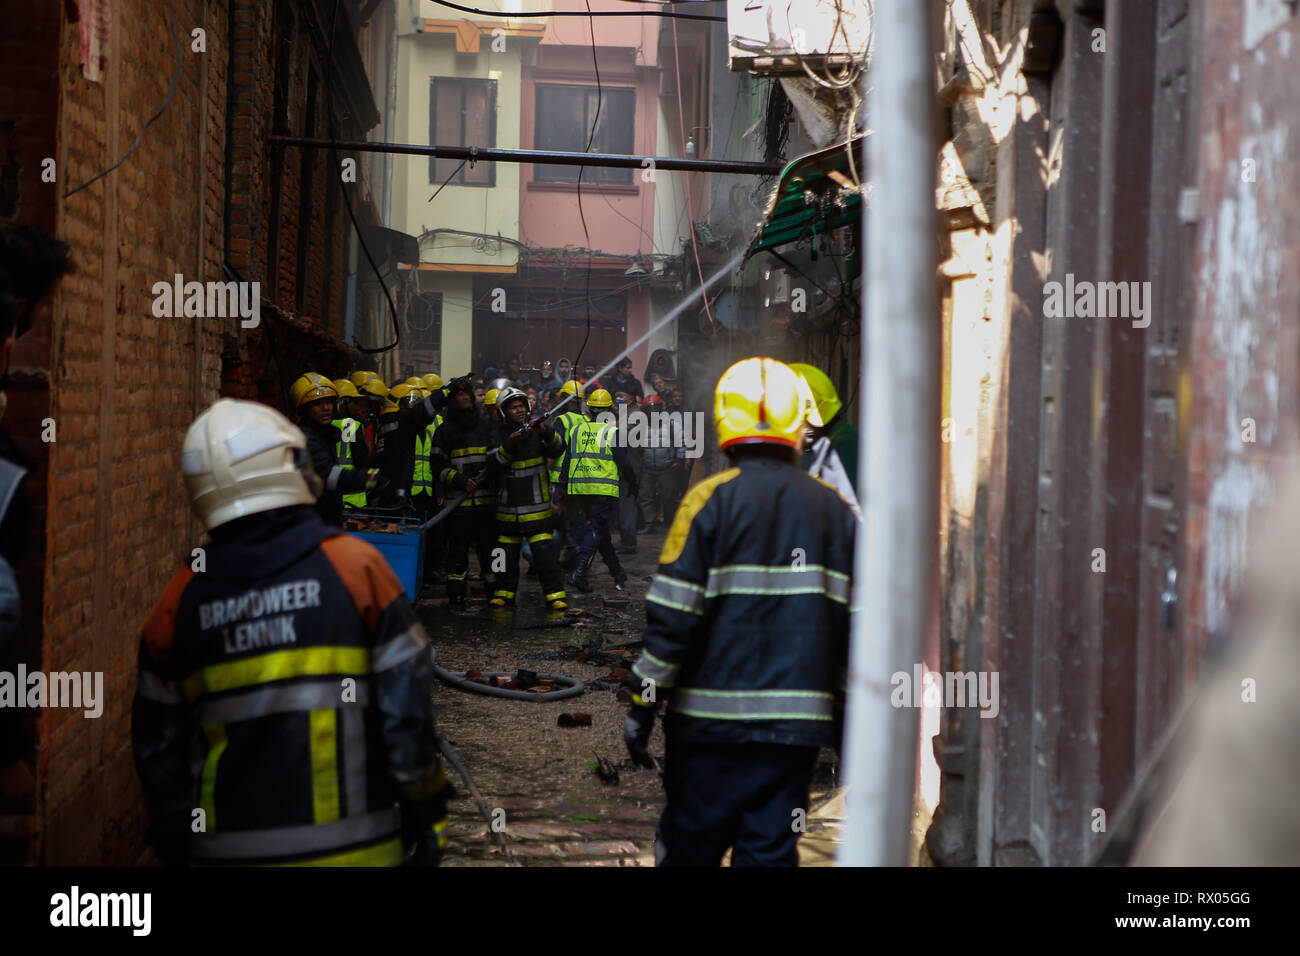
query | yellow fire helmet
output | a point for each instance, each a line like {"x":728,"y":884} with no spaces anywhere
{"x":760,"y":401}
{"x":311,"y":387}
{"x":360,"y":378}
{"x":374,"y":387}
{"x":432,"y":381}
{"x":569,"y":388}
{"x":404,"y":396}
{"x":826,"y":400}
{"x":414,"y":382}
{"x":600,"y":398}
{"x":490,"y":399}
{"x":346,"y":389}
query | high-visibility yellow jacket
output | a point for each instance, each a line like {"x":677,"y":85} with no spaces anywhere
{"x":592,"y":468}
{"x":352,"y":454}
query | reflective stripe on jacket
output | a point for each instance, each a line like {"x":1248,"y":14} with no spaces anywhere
{"x":285,"y":692}
{"x":519,"y":468}
{"x":347,"y":448}
{"x":591,"y":466}
{"x":748,"y":617}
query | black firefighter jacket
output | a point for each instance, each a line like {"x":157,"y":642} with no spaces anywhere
{"x":748,"y":618}
{"x":284,"y":691}
{"x":395,"y":441}
{"x":322,"y":447}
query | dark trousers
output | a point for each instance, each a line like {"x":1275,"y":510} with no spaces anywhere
{"x":468,"y":527}
{"x":626,"y":517}
{"x":545,"y":560}
{"x":598,"y":510}
{"x":658,"y":487}
{"x":743,"y":796}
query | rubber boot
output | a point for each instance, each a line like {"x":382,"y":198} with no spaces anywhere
{"x":579,"y":577}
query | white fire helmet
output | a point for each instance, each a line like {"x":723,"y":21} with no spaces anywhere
{"x":240,"y":458}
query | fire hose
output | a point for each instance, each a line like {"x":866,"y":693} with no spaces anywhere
{"x":573,"y":685}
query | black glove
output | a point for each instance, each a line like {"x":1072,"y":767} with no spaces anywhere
{"x":638,"y":724}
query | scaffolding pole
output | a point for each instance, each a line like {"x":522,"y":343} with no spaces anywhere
{"x":481,"y":154}
{"x":894,"y":562}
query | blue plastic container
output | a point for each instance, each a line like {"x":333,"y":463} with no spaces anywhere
{"x":404,"y":552}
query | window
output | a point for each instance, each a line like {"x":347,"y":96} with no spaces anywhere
{"x":563,"y":116}
{"x":424,"y":322}
{"x":462,"y":112}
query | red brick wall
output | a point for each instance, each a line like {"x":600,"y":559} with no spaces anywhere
{"x":126,"y":386}
{"x":1245,"y":341}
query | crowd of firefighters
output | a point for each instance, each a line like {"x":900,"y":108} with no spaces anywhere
{"x":283,"y":703}
{"x":513,"y":480}
{"x":294,"y":666}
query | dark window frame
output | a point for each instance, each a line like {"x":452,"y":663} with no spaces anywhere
{"x":417,"y":339}
{"x":595,"y":175}
{"x":461,"y":82}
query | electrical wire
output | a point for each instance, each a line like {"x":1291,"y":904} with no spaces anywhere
{"x":176,"y":79}
{"x":681,"y":124}
{"x":513,"y":14}
{"x":356,"y":226}
{"x":449,"y":178}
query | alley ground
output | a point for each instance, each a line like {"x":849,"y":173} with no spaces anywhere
{"x":557,"y":810}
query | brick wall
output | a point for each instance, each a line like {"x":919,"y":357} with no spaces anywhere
{"x":1244,"y":334}
{"x":125,"y":387}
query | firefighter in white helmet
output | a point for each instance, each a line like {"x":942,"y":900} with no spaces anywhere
{"x":284,"y":685}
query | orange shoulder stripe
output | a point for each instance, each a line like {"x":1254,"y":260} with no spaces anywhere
{"x":159,"y":629}
{"x":365,"y":574}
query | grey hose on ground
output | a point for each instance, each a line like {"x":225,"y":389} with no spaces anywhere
{"x":453,"y":758}
{"x":573,"y":689}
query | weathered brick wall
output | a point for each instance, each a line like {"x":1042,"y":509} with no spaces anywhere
{"x":1244,"y":333}
{"x":125,"y":387}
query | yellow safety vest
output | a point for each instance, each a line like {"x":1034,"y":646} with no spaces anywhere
{"x":422,"y":472}
{"x":343,"y":451}
{"x":592,"y":469}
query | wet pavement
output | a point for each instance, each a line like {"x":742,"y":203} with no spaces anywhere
{"x":539,"y":781}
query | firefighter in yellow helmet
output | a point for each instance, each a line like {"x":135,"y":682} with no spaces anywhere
{"x":351,"y":448}
{"x":568,"y":528}
{"x":596,"y":461}
{"x":746,"y":635}
{"x":314,"y":399}
{"x":238,"y":710}
{"x":374,"y":396}
{"x":491,"y":411}
{"x":406,"y":416}
{"x":833,"y":442}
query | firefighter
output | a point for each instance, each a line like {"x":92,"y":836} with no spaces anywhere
{"x":460,"y":453}
{"x":374,"y":395}
{"x":351,"y":447}
{"x":314,"y":399}
{"x":835,"y":441}
{"x":435,"y":551}
{"x":402,"y":422}
{"x":568,"y":531}
{"x":523,"y":509}
{"x":746,"y":634}
{"x":491,"y":412}
{"x":283,"y":696}
{"x":597,"y":461}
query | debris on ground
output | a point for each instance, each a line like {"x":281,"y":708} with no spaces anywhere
{"x":606,"y":770}
{"x":576,"y":719}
